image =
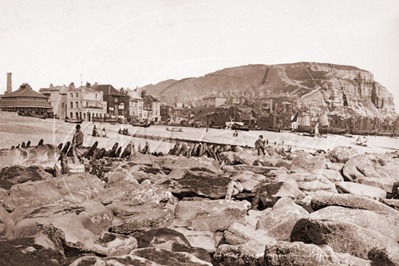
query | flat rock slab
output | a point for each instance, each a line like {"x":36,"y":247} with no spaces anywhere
{"x":125,"y":260}
{"x":210,"y":215}
{"x":255,"y":169}
{"x":249,"y":253}
{"x":322,"y":200}
{"x":308,"y":163}
{"x":170,"y":163}
{"x":361,"y":189}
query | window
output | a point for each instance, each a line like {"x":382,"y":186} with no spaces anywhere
{"x":84,"y":116}
{"x":71,"y":115}
{"x":77,"y":105}
{"x":96,"y":96}
{"x":77,"y":95}
{"x":71,"y":95}
{"x":71,"y":105}
{"x":77,"y":115}
{"x":62,"y":105}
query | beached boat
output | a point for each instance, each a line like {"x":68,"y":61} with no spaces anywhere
{"x":305,"y":129}
{"x":240,"y":127}
{"x":332,"y":130}
{"x":41,"y":116}
{"x":359,"y":132}
{"x":72,"y":120}
{"x":172,"y":129}
{"x":141,"y":124}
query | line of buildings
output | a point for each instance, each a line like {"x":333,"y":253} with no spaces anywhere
{"x":89,"y":102}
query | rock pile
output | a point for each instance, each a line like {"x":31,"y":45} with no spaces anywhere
{"x":200,"y":206}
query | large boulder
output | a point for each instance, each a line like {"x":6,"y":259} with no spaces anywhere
{"x":68,"y":189}
{"x":248,"y":253}
{"x":361,"y":190}
{"x":200,"y":239}
{"x":244,"y":157}
{"x":308,"y":162}
{"x":171,"y":240}
{"x":45,"y":155}
{"x":7,"y":225}
{"x":344,"y":237}
{"x":169,"y":163}
{"x":140,"y":217}
{"x":317,"y":185}
{"x":165,"y":257}
{"x":249,"y":180}
{"x":227,"y":157}
{"x":210,"y":215}
{"x":299,"y":254}
{"x":322,"y":200}
{"x":124,"y":260}
{"x":16,"y":174}
{"x":383,"y":224}
{"x":31,"y":251}
{"x":200,"y":182}
{"x":342,"y":154}
{"x":81,"y":225}
{"x":268,"y":194}
{"x":279,"y":222}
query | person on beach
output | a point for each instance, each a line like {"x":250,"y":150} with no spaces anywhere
{"x":104,"y":133}
{"x":77,"y":144}
{"x":260,"y":145}
{"x":95,"y":132}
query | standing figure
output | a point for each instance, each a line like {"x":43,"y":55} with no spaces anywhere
{"x":260,"y":145}
{"x":104,"y":133}
{"x":77,"y":144}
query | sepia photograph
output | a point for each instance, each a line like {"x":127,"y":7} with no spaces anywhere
{"x":199,"y":132}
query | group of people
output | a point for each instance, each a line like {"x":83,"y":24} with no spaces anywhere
{"x":96,"y":134}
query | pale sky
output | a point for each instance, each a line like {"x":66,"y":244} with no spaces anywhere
{"x":129,"y":43}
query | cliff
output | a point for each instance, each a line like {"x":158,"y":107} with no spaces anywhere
{"x":346,"y":90}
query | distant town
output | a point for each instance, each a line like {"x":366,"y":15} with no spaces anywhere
{"x":104,"y":103}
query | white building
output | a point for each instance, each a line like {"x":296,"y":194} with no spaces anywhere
{"x":136,"y":105}
{"x":85,"y":103}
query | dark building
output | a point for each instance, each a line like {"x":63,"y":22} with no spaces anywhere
{"x":25,"y":100}
{"x":117,"y":101}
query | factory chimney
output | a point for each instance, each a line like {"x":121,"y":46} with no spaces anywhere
{"x":9,"y":83}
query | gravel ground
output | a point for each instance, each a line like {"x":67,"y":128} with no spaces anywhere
{"x":16,"y":129}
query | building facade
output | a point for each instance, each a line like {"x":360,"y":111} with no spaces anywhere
{"x":135,"y":105}
{"x":118,"y":102}
{"x":25,"y":100}
{"x":152,"y":107}
{"x":57,"y":98}
{"x":85,"y":103}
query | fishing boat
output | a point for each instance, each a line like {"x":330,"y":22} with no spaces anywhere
{"x":72,"y":120}
{"x":141,"y":124}
{"x":172,"y":129}
{"x":239,"y":126}
{"x":41,"y":116}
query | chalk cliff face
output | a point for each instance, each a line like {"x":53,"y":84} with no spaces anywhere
{"x":344,"y":89}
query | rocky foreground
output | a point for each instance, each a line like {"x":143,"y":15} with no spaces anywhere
{"x":184,"y":208}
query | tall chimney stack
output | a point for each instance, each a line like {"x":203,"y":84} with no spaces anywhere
{"x":9,"y":83}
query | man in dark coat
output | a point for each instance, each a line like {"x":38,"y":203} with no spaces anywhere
{"x":260,"y":145}
{"x":77,"y":144}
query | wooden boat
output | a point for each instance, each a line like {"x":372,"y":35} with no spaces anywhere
{"x":240,"y":127}
{"x":41,"y":116}
{"x":174,"y":129}
{"x":359,"y":132}
{"x":75,"y":121}
{"x":332,"y":130}
{"x":217,"y":127}
{"x":140,"y":124}
{"x":305,"y":129}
